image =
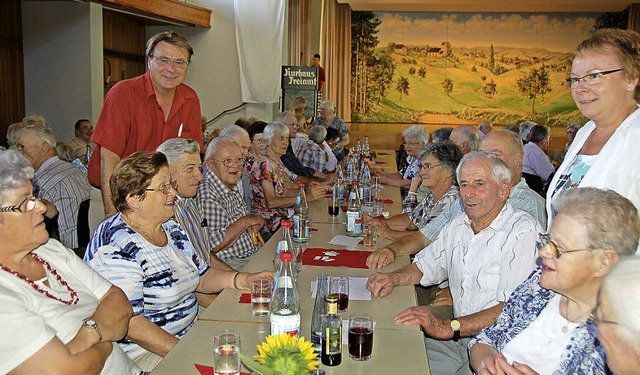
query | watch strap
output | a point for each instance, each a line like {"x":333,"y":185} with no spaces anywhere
{"x":90,"y":323}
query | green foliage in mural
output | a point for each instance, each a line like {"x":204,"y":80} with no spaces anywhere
{"x":534,"y":85}
{"x":402,"y":86}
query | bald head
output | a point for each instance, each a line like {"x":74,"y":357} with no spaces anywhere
{"x":507,"y":146}
{"x":466,"y":138}
{"x":485,"y":127}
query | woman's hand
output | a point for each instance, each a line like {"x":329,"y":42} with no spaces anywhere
{"x":513,"y":369}
{"x":245,"y":279}
{"x":315,"y":191}
{"x":482,"y":359}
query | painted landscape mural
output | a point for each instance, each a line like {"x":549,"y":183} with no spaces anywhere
{"x":454,"y":68}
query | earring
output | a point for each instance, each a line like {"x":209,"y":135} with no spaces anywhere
{"x":630,"y":88}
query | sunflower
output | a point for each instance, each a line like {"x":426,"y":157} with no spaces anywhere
{"x":286,"y":355}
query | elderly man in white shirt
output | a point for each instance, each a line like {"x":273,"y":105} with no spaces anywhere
{"x":485,"y":253}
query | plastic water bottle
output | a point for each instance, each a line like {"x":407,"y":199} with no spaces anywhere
{"x":354,"y":212}
{"x":285,"y":303}
{"x":301,"y":218}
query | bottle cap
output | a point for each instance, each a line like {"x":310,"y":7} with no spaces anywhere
{"x":286,"y":256}
{"x":332,"y":298}
{"x":354,"y":182}
{"x":301,"y":186}
{"x":286,"y":224}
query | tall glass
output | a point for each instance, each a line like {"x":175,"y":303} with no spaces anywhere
{"x":339,"y":285}
{"x":360,"y":337}
{"x":226,"y":352}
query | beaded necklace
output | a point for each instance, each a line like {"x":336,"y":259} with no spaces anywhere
{"x":74,"y":296}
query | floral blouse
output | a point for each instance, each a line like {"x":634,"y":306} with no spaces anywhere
{"x":429,"y":208}
{"x":583,"y":355}
{"x":265,"y":169}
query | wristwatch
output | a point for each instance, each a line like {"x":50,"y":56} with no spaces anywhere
{"x":455,"y":327}
{"x":90,"y":323}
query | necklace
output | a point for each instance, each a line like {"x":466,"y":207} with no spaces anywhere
{"x":565,"y":328}
{"x":74,"y":299}
{"x":143,"y":233}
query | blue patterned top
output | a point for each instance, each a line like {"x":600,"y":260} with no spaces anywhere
{"x":159,"y":281}
{"x":583,"y":354}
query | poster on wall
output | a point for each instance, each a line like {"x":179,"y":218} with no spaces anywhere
{"x":300,"y":81}
{"x":461,"y":68}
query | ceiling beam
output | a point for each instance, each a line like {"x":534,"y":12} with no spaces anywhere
{"x":171,"y":11}
{"x":489,"y":6}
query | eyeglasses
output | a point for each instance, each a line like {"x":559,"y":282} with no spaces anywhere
{"x":410,"y":144}
{"x":556,"y":249}
{"x":260,"y":141}
{"x":164,"y":189}
{"x":230,"y":162}
{"x":590,"y":78}
{"x":165,"y":62}
{"x":596,"y":314}
{"x":27,"y":205}
{"x":429,"y":167}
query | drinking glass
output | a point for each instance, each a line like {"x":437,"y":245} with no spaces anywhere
{"x":334,"y":207}
{"x":339,"y":285}
{"x":369,"y":235}
{"x":360,"y":337}
{"x":261,"y":296}
{"x":226,"y":352}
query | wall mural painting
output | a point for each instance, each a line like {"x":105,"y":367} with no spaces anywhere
{"x":455,"y":68}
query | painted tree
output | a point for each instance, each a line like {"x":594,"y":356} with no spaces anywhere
{"x":402,"y":86}
{"x":534,"y":85}
{"x":422,"y":72}
{"x":364,"y":30}
{"x":381,"y":74}
{"x":447,"y":86}
{"x":492,"y":59}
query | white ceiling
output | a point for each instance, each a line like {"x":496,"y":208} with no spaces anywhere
{"x":489,"y":5}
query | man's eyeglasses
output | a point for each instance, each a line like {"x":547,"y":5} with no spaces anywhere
{"x":164,"y":189}
{"x":410,"y":144}
{"x":165,"y":62}
{"x":260,"y":141}
{"x":556,"y":249}
{"x":428,"y":167}
{"x":28,"y":204}
{"x":590,"y":78}
{"x":230,"y":162}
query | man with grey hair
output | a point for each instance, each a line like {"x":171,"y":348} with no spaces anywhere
{"x":484,"y":128}
{"x":230,"y":226}
{"x":328,"y":119}
{"x":466,"y":138}
{"x":525,"y":130}
{"x":311,"y":153}
{"x":290,"y":160}
{"x":241,"y":136}
{"x":57,"y":181}
{"x":485,"y":253}
{"x":536,"y":166}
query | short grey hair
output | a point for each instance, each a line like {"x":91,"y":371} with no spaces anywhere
{"x":471,"y":134}
{"x":37,"y":120}
{"x":622,"y":289}
{"x":539,"y":133}
{"x":175,"y":147}
{"x":41,"y":134}
{"x":274,"y":128}
{"x":611,"y":220}
{"x":65,"y":151}
{"x":317,"y":133}
{"x":15,"y":171}
{"x":217,"y":143}
{"x":282,"y":116}
{"x":574,"y":126}
{"x":441,"y":134}
{"x":500,"y":172}
{"x":329,"y":105}
{"x":447,"y":153}
{"x":13,"y":132}
{"x":418,"y":132}
{"x":525,"y":128}
{"x":233,"y":131}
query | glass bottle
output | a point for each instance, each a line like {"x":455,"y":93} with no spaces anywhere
{"x":285,"y":303}
{"x":354,"y":212}
{"x":319,"y":310}
{"x":331,"y":334}
{"x":301,"y":218}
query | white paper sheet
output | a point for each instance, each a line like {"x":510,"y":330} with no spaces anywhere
{"x":357,"y":289}
{"x":347,"y":241}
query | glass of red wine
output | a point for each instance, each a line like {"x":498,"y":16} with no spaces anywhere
{"x":360,"y":337}
{"x":339,"y":285}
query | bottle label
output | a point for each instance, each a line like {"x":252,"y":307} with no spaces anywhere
{"x":300,"y":228}
{"x":289,"y":324}
{"x":354,"y":223}
{"x":334,"y":340}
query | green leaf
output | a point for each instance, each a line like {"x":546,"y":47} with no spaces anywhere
{"x":255,"y":366}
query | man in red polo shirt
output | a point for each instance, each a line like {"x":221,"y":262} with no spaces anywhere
{"x":142,"y":112}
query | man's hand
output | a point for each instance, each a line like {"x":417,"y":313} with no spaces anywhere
{"x":432,"y":326}
{"x":254,"y":223}
{"x":380,"y":284}
{"x":380,"y":258}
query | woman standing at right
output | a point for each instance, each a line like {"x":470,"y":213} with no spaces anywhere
{"x":604,"y":85}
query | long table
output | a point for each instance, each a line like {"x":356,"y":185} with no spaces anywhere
{"x":396,"y":347}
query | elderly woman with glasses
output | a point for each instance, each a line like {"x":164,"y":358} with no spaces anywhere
{"x":57,"y":314}
{"x":148,"y":255}
{"x":438,"y":173}
{"x":544,"y":327}
{"x":415,"y":137}
{"x":617,"y":317}
{"x":604,"y":84}
{"x":272,"y":183}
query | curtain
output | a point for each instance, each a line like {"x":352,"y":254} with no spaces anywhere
{"x":335,"y":49}
{"x":259,"y":42}
{"x":299,"y":32}
{"x":634,"y":17}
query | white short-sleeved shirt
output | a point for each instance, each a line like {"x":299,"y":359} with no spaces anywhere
{"x":483,"y":269}
{"x":30,"y":319}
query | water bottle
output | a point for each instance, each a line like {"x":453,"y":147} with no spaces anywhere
{"x":366,"y":149}
{"x":319,"y":310}
{"x":285,"y":244}
{"x":354,"y":212}
{"x":301,"y":218}
{"x":285,"y":303}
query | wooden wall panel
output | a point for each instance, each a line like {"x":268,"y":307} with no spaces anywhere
{"x":124,"y":44}
{"x":12,"y":105}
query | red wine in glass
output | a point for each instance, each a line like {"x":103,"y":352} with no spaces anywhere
{"x":360,"y":343}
